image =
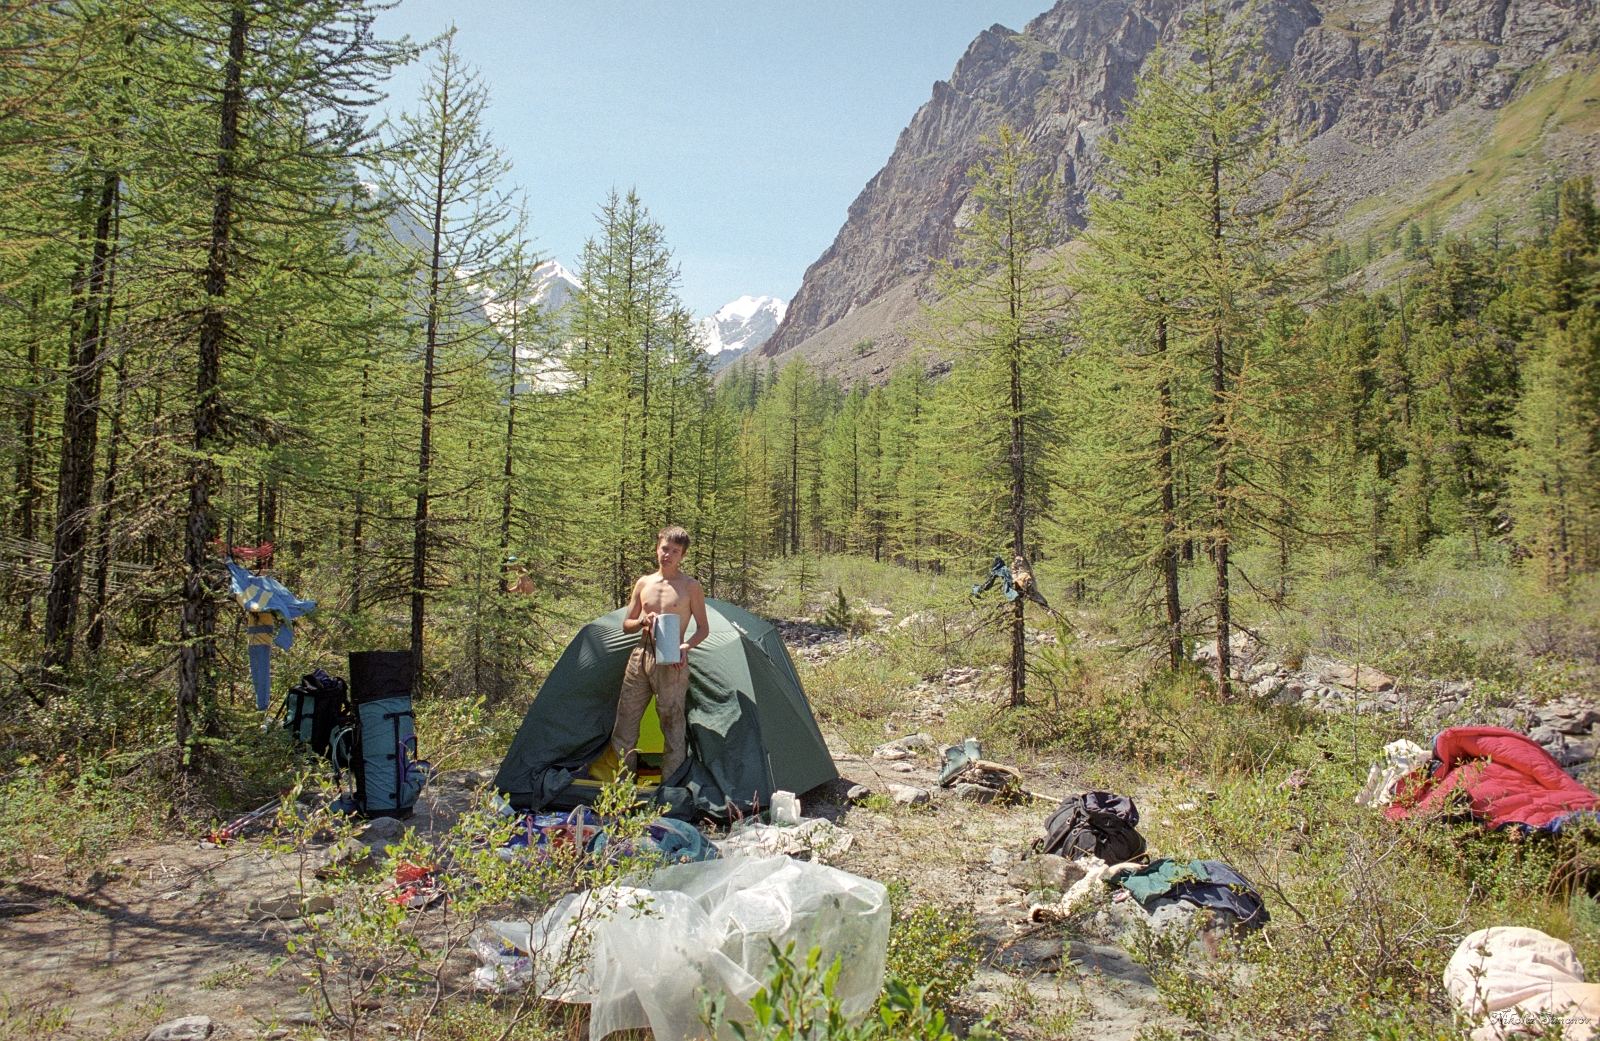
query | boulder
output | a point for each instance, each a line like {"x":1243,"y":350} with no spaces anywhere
{"x":974,"y":792}
{"x":1364,"y":677}
{"x":384,"y":829}
{"x":906,"y":795}
{"x":1569,"y":719}
{"x":189,"y":1028}
{"x":349,"y":854}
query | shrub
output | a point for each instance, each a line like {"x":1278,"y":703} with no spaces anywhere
{"x":931,"y":946}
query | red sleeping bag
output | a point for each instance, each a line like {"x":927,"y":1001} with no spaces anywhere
{"x":1505,"y":777}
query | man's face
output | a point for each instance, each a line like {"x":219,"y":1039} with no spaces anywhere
{"x":668,"y":554}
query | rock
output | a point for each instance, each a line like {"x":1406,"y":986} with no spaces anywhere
{"x":349,"y":854}
{"x":1046,"y":871}
{"x":287,"y":907}
{"x":1568,"y":719}
{"x":1266,"y":687}
{"x":858,"y":793}
{"x":189,"y":1028}
{"x":920,"y":618}
{"x":906,"y":795}
{"x":880,"y":612}
{"x":1548,"y":737}
{"x":916,"y":741}
{"x":386,"y":829}
{"x":1353,"y":676}
{"x":1239,"y":646}
{"x":973,"y":792}
{"x":1289,"y":693}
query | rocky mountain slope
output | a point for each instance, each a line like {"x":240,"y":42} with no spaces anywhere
{"x":1409,"y":108}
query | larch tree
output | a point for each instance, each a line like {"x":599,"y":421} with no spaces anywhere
{"x":447,"y":181}
{"x":1000,"y":313}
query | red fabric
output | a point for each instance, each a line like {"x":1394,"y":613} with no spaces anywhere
{"x":1505,"y":777}
{"x":261,"y":552}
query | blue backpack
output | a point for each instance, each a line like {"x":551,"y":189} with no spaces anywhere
{"x":379,"y":746}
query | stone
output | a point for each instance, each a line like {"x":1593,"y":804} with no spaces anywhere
{"x":1353,"y":676}
{"x":1046,"y":871}
{"x":1548,"y":737}
{"x":880,"y":612}
{"x":287,"y":907}
{"x":189,"y":1028}
{"x":386,"y":829}
{"x":857,"y":793}
{"x":349,"y":854}
{"x":916,"y":741}
{"x":920,"y":618}
{"x":906,"y":795}
{"x":1569,"y":719}
{"x":973,"y":792}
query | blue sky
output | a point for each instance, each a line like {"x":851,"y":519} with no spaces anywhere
{"x":747,"y":128}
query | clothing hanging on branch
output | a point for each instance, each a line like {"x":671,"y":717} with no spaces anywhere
{"x":270,"y":610}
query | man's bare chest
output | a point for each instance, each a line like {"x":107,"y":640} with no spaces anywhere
{"x":665,"y":597}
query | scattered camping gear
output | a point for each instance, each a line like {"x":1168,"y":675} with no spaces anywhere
{"x":1503,"y":777}
{"x":1098,"y":824}
{"x":1518,"y":977}
{"x":956,"y":758}
{"x":1399,"y":759}
{"x":1204,"y":883}
{"x":380,"y":748}
{"x":1096,"y":873}
{"x":416,"y":886}
{"x":750,"y":730}
{"x":314,"y":707}
{"x":1015,"y":581}
{"x":270,"y":610}
{"x":697,"y":927}
{"x":239,"y":825}
{"x":816,"y":837}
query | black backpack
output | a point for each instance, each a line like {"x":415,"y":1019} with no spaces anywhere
{"x":1097,"y":824}
{"x":314,"y":707}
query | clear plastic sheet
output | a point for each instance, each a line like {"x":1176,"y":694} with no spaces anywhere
{"x":640,"y":955}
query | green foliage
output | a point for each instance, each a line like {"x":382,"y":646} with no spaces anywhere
{"x":797,"y":1003}
{"x":932,"y":947}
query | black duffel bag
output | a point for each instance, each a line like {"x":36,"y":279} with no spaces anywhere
{"x":1099,"y":824}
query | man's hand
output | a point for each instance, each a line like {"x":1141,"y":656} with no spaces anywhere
{"x":683,"y":656}
{"x":647,"y":619}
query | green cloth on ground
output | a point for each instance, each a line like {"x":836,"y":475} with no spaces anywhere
{"x":1156,"y":880}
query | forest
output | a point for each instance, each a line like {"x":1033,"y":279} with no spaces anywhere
{"x":245,"y":312}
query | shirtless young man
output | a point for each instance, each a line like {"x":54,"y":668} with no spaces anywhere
{"x":668,"y":591}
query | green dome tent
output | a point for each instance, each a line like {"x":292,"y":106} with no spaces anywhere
{"x":751,"y":731}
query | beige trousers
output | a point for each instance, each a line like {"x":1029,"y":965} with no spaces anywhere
{"x":669,"y":684}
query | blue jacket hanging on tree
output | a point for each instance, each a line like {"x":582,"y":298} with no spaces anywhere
{"x":270,"y":610}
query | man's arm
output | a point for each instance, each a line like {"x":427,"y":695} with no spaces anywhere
{"x":697,"y":609}
{"x":637,"y":617}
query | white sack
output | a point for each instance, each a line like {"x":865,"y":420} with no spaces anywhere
{"x":1399,"y":758}
{"x":692,"y":927}
{"x":822,"y":838}
{"x":1511,"y":975}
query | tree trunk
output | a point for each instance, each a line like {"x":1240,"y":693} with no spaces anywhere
{"x":27,"y":489}
{"x":80,"y":428}
{"x":197,"y":620}
{"x":1169,"y":509}
{"x":1019,"y":660}
{"x":95,"y":638}
{"x":419,"y":529}
{"x":358,"y":526}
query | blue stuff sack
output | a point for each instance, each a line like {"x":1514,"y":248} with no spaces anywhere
{"x":380,"y":749}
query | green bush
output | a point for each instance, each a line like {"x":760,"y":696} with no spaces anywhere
{"x":931,"y":946}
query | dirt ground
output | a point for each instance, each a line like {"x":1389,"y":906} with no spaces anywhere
{"x":164,"y":931}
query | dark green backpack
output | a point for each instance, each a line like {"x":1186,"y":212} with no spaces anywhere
{"x":314,"y":708}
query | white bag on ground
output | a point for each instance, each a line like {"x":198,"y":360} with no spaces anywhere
{"x":1399,"y":759}
{"x":1512,"y":975}
{"x":640,"y":955}
{"x":822,"y":838}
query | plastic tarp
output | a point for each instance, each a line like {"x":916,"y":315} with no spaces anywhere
{"x":1505,"y":777}
{"x":640,"y":955}
{"x":1522,"y":982}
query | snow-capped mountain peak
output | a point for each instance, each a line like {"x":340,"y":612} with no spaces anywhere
{"x":741,"y":325}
